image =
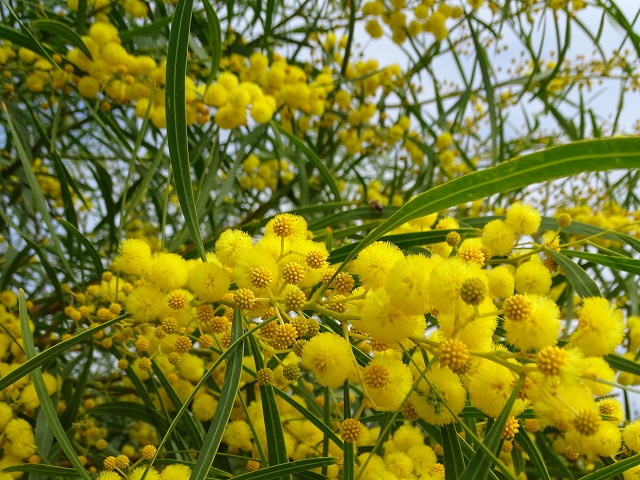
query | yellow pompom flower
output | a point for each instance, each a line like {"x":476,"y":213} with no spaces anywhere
{"x":385,"y":321}
{"x":19,"y":432}
{"x":204,"y":407}
{"x":88,"y":86}
{"x":600,"y":327}
{"x":231,"y":245}
{"x":490,"y":386}
{"x":375,"y":262}
{"x":176,"y":472}
{"x":594,"y":369}
{"x":209,"y":281}
{"x":191,"y":367}
{"x":397,"y":384}
{"x":523,"y":218}
{"x":168,"y":271}
{"x":238,"y":435}
{"x":408,"y":283}
{"x":443,"y":386}
{"x":631,"y":436}
{"x":445,"y":284}
{"x":533,"y":277}
{"x":328,"y":357}
{"x":398,"y":464}
{"x":145,"y":304}
{"x":539,"y":329}
{"x":257,"y":269}
{"x":501,"y":282}
{"x":137,"y":474}
{"x":134,"y":257}
{"x":498,"y":237}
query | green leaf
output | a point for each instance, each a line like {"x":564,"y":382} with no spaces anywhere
{"x":51,"y":273}
{"x":50,"y":470}
{"x":582,"y":283}
{"x":18,"y":38}
{"x":176,"y":109}
{"x":146,"y":30}
{"x":555,"y":162}
{"x":631,"y":265}
{"x":480,"y":464}
{"x":84,"y":241}
{"x":406,"y":240}
{"x":215,"y":40}
{"x":614,"y":469}
{"x":453,"y":459}
{"x":52,"y":353}
{"x":73,"y":404}
{"x":312,"y":157}
{"x":622,"y":364}
{"x":227,"y":398}
{"x":288,"y":469}
{"x":534,"y":454}
{"x":62,"y":30}
{"x":135,"y":411}
{"x":38,"y":196}
{"x":272,"y":423}
{"x":43,"y":396}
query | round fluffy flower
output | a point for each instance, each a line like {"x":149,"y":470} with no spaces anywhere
{"x":231,"y":245}
{"x":631,"y":436}
{"x":176,"y":472}
{"x":445,"y":283}
{"x":238,"y":435}
{"x":399,"y":464}
{"x":498,"y":237}
{"x":539,"y":329}
{"x":533,"y":277}
{"x":385,"y":321}
{"x":595,"y":368}
{"x":19,"y":432}
{"x":209,"y":281}
{"x":328,"y":356}
{"x":134,"y":257}
{"x":600,"y":327}
{"x":137,"y":473}
{"x":391,"y":395}
{"x":523,"y":219}
{"x":145,"y":304}
{"x":168,"y":271}
{"x":501,"y":282}
{"x":423,"y":458}
{"x":256,"y":269}
{"x":191,"y":367}
{"x":490,"y":386}
{"x":375,"y":262}
{"x":439,"y":385}
{"x":408,"y":280}
{"x":204,"y":407}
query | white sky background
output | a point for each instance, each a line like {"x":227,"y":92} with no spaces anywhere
{"x":602,"y":98}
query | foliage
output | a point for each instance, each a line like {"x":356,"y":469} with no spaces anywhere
{"x":236,"y":242}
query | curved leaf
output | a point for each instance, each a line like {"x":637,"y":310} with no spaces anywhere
{"x":582,"y":283}
{"x":223,"y":411}
{"x":176,"y":108}
{"x":60,"y":29}
{"x":43,"y":395}
{"x":555,"y":162}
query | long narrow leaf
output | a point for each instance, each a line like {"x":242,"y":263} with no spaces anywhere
{"x":223,"y":411}
{"x":176,"y":108}
{"x":43,"y":396}
{"x":556,"y":162}
{"x":582,"y":283}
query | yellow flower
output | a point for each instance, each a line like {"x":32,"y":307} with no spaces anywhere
{"x":329,"y":358}
{"x":375,"y":262}
{"x":600,"y":327}
{"x":498,"y":237}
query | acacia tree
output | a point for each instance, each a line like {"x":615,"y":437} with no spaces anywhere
{"x":237,"y":241}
